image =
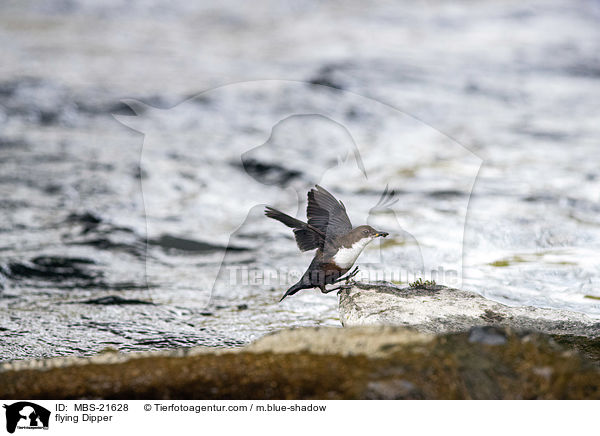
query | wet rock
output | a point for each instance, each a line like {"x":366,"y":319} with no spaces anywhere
{"x":322,"y":363}
{"x":438,"y":309}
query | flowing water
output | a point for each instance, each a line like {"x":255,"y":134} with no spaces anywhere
{"x":137,"y":142}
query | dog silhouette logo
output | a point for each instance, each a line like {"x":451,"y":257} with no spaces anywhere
{"x":26,"y":415}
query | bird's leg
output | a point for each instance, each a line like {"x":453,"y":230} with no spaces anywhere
{"x":352,"y":274}
{"x":340,"y":287}
{"x":349,"y":276}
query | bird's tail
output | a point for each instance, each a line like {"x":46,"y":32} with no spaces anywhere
{"x":295,"y":288}
{"x":307,"y":237}
{"x":284,"y":218}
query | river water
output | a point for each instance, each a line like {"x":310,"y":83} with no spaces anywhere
{"x":138,"y":141}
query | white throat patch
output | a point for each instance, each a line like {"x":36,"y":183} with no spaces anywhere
{"x":345,"y":257}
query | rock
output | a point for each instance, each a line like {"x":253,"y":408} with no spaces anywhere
{"x":391,"y":390}
{"x":370,"y":341}
{"x":438,"y":309}
{"x":324,"y":363}
{"x":487,"y":335}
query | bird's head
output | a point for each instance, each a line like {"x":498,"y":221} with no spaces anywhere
{"x":368,"y":232}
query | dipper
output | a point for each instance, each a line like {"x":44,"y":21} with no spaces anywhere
{"x":329,"y":231}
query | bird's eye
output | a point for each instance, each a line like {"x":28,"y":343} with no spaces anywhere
{"x":365,"y":232}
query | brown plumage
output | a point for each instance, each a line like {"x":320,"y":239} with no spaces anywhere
{"x":328,"y":230}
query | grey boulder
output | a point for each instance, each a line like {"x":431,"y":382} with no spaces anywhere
{"x":438,"y":309}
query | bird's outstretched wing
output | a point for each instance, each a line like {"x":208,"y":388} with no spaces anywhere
{"x":326,"y":213}
{"x":307,"y":236}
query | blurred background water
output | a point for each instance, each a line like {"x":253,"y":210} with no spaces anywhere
{"x":483,"y":116}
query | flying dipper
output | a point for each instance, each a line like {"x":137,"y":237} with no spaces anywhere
{"x":329,"y":231}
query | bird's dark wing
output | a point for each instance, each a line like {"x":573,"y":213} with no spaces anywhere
{"x":326,"y":213}
{"x":307,"y":236}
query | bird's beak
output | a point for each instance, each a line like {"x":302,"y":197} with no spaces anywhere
{"x":382,"y":234}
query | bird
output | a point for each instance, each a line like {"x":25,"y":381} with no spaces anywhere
{"x":328,"y":230}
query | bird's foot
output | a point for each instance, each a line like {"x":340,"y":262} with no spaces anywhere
{"x":348,"y":277}
{"x":337,"y":288}
{"x":352,"y":274}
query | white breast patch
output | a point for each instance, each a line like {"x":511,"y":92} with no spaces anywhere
{"x":345,"y":257}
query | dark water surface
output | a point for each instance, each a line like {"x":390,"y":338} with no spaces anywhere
{"x":483,"y":117}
